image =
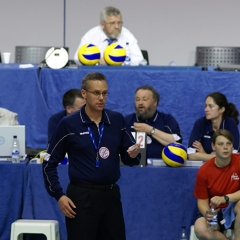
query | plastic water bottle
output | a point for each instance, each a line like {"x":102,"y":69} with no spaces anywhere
{"x":15,"y":150}
{"x":213,"y":224}
{"x":127,"y":59}
{"x":183,"y":234}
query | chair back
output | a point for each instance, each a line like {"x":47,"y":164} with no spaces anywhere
{"x":31,"y":54}
{"x":212,"y":56}
{"x":145,"y":55}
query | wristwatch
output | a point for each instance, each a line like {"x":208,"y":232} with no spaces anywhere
{"x":226,"y":198}
{"x":152,"y":131}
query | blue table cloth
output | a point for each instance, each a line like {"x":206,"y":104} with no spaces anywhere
{"x":157,"y":201}
{"x":12,"y":191}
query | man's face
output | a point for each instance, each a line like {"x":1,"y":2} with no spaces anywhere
{"x":145,"y":105}
{"x":223,"y":147}
{"x":78,"y":103}
{"x":95,"y":94}
{"x":112,"y":27}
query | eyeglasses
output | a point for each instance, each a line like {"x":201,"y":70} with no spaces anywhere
{"x":98,"y":94}
{"x":120,"y":23}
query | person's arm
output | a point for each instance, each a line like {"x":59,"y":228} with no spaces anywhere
{"x":14,"y":119}
{"x":218,"y":200}
{"x":200,"y":156}
{"x":135,"y":53}
{"x":55,"y":153}
{"x":170,"y":134}
{"x":196,"y":133}
{"x":160,"y":136}
{"x":129,"y":158}
{"x":194,"y":140}
{"x":134,"y":49}
{"x":203,"y":206}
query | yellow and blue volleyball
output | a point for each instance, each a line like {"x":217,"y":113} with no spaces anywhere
{"x":89,"y":54}
{"x":114,"y":54}
{"x":174,"y":154}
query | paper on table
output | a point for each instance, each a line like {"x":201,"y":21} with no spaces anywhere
{"x":188,"y":163}
{"x":28,"y":65}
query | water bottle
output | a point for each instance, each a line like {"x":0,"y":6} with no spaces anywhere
{"x":183,"y":234}
{"x":15,"y":150}
{"x":213,"y":224}
{"x":127,"y":59}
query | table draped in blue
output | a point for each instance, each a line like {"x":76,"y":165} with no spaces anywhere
{"x":13,"y":180}
{"x":157,"y":201}
{"x":37,"y":94}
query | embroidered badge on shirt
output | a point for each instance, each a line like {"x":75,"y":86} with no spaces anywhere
{"x":149,"y":140}
{"x":234,"y":177}
{"x":104,"y":152}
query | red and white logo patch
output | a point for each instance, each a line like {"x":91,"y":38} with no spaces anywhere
{"x":104,"y":152}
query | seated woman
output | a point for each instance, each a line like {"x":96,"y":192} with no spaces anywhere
{"x":7,"y":117}
{"x":217,"y":186}
{"x":219,"y":115}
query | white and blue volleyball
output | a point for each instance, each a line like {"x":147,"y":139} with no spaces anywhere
{"x":174,"y":154}
{"x":114,"y":54}
{"x":89,"y":54}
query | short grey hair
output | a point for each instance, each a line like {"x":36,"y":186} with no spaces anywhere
{"x":91,"y":77}
{"x":155,"y":94}
{"x":108,"y":11}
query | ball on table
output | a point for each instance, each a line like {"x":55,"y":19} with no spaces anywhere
{"x":114,"y":54}
{"x":174,"y":154}
{"x":89,"y":54}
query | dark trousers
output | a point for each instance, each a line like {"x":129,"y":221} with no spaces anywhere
{"x":99,"y":214}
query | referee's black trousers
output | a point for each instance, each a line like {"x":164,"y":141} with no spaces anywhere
{"x":99,"y":214}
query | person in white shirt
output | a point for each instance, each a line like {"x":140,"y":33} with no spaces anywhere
{"x":7,"y":117}
{"x":111,"y":29}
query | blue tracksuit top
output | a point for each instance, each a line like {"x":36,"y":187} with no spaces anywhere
{"x":72,"y":137}
{"x":53,"y":122}
{"x":162,"y":121}
{"x":202,"y":131}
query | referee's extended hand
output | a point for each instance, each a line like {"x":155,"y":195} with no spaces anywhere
{"x":133,"y":151}
{"x":66,"y":206}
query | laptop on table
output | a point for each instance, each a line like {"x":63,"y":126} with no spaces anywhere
{"x":6,"y":140}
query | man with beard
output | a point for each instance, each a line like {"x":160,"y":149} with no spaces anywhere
{"x":110,"y":31}
{"x":161,"y":128}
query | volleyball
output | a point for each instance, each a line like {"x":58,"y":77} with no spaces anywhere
{"x":89,"y":54}
{"x":174,"y":154}
{"x":114,"y":54}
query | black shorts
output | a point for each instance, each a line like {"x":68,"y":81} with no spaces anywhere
{"x":220,"y":218}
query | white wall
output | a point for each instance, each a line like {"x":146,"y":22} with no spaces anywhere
{"x":169,"y":30}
